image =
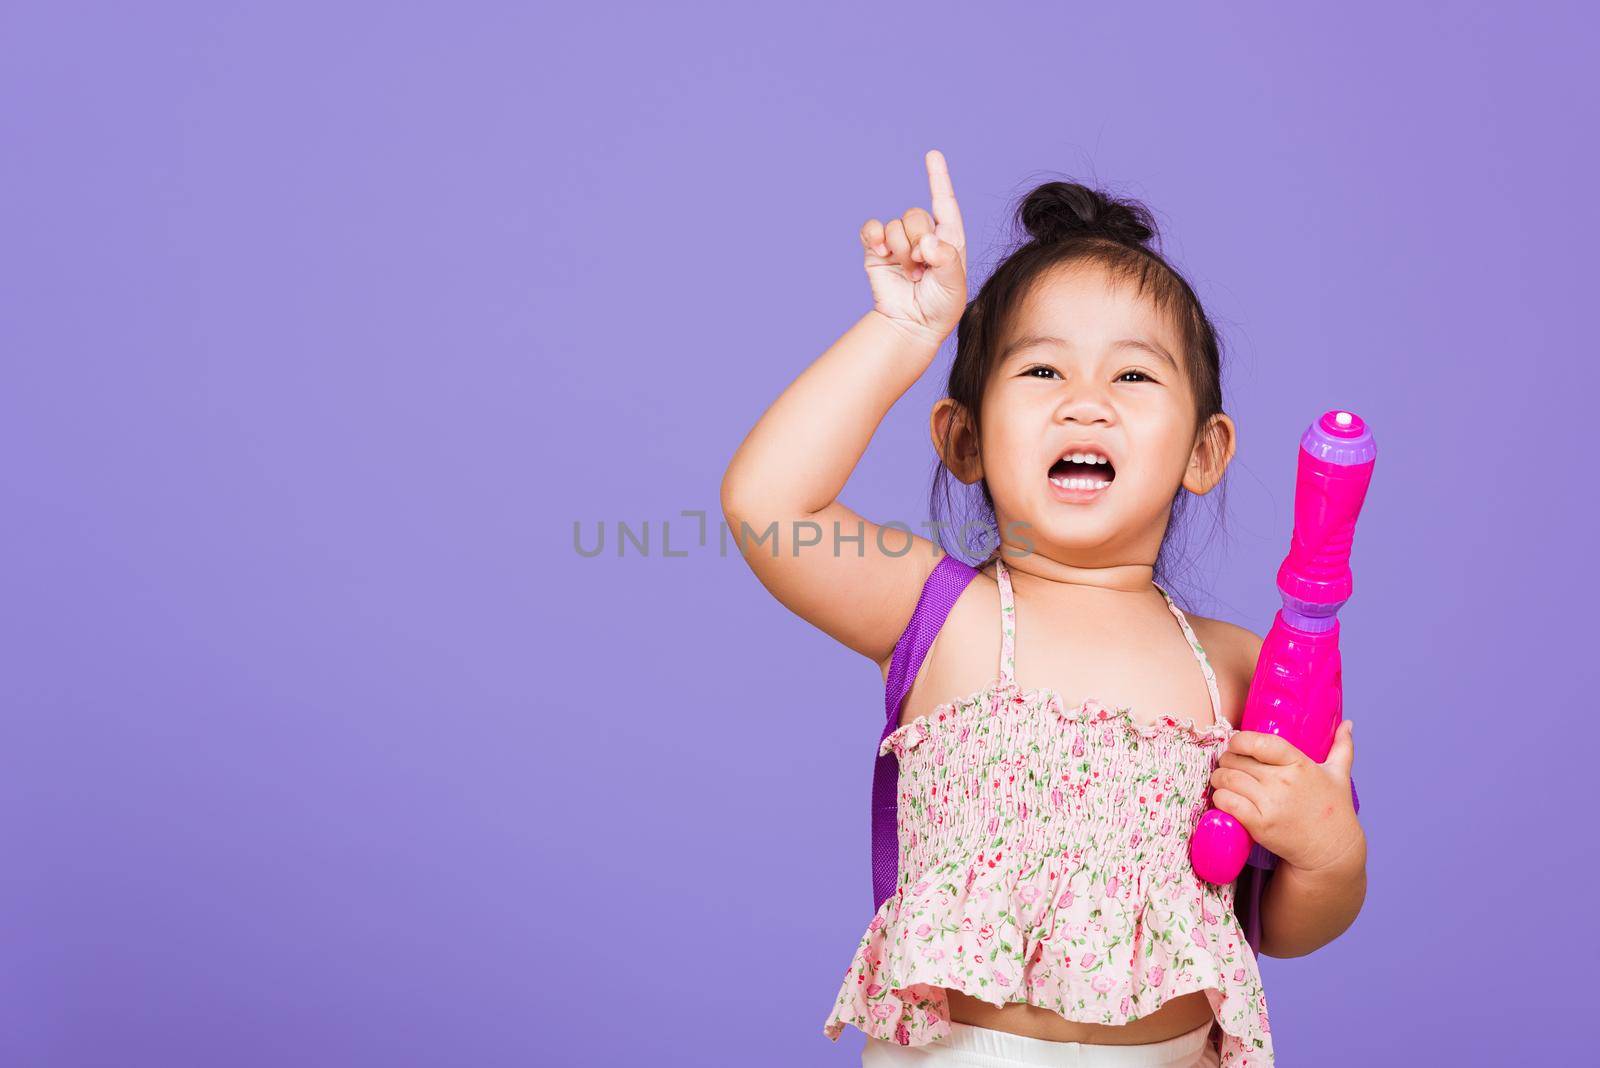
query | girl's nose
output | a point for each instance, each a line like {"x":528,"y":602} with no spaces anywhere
{"x":1085,"y":408}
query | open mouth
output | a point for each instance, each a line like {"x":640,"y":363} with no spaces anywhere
{"x":1085,"y":471}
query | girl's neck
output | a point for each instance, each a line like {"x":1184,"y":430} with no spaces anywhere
{"x":1120,"y":578}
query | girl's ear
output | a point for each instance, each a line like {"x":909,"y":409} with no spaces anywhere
{"x":955,"y":441}
{"x":1211,"y":455}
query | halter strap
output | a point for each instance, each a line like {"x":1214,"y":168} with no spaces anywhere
{"x":1008,"y":638}
{"x":1008,"y":625}
{"x":1199,"y":653}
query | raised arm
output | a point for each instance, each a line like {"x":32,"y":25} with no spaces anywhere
{"x":779,"y":494}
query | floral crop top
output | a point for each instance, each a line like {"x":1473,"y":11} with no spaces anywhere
{"x":1044,"y":858}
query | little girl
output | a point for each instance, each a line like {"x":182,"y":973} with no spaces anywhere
{"x":1057,"y":724}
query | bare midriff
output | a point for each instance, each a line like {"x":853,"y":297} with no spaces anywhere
{"x":1178,"y":1016}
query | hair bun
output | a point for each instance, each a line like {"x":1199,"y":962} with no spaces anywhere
{"x":1058,"y":211}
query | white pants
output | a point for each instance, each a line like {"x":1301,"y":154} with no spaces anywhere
{"x":983,"y":1046}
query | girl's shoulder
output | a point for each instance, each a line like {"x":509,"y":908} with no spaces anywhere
{"x":1229,"y":637}
{"x":963,"y":604}
{"x":1232,"y":652}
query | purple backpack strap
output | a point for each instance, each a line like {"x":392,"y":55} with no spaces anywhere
{"x":950,"y":576}
{"x":1253,"y":883}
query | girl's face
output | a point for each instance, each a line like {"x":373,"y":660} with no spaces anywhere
{"x":1089,"y":364}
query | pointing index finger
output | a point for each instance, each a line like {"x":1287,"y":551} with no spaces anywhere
{"x":946,"y":213}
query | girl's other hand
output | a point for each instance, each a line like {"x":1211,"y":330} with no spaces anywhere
{"x":917,"y":264}
{"x":1299,"y":809}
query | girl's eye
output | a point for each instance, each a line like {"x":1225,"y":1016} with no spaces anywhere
{"x":1041,"y":367}
{"x":1141,"y":374}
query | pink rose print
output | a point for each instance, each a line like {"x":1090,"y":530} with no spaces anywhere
{"x":874,"y":989}
{"x":924,"y":929}
{"x":986,"y":932}
{"x":901,"y":1035}
{"x":1123,"y":1008}
{"x":1102,"y":984}
{"x":1157,"y":974}
{"x":1199,"y":937}
{"x":883,"y":1010}
{"x":1111,"y":887}
{"x":1238,"y":975}
{"x":1086,"y":960}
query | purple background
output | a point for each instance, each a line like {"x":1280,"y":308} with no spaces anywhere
{"x":325,"y":323}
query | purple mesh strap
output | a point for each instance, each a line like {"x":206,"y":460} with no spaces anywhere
{"x":950,"y":576}
{"x":1253,"y":882}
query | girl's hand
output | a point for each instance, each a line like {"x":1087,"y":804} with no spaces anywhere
{"x":917,"y":264}
{"x":1299,"y":809}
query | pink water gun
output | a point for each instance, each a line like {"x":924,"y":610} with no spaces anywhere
{"x":1297,"y":692}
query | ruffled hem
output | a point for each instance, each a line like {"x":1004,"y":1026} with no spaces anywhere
{"x":932,"y":1003}
{"x":1058,"y":940}
{"x":994,"y":700}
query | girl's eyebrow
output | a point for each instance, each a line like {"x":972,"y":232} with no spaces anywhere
{"x":1147,"y":346}
{"x":1031,"y":340}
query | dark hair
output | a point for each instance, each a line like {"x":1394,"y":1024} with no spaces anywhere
{"x":1069,"y":223}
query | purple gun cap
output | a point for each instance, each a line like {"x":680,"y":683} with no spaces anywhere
{"x":1340,"y":437}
